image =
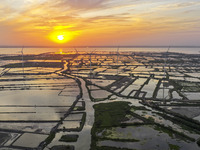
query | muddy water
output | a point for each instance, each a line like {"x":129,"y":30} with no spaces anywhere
{"x":84,"y":139}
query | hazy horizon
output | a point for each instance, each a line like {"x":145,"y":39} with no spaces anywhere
{"x":90,"y":46}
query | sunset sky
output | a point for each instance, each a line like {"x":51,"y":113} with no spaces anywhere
{"x":100,"y":22}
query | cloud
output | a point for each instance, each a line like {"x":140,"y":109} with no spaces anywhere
{"x":82,"y":4}
{"x":105,"y":18}
{"x":179,"y":5}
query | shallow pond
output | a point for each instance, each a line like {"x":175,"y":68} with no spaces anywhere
{"x":30,"y":140}
{"x":35,"y":98}
{"x":149,"y":88}
{"x":70,"y":125}
{"x":31,"y":116}
{"x":149,"y":138}
{"x":102,"y":83}
{"x":192,"y":95}
{"x":98,"y":94}
{"x":29,"y":127}
{"x":73,"y":117}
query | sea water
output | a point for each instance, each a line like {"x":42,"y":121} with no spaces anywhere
{"x":39,"y":50}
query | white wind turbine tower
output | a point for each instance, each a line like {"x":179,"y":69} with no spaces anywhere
{"x":91,"y":61}
{"x":77,"y":60}
{"x":22,"y":51}
{"x":91,"y":65}
{"x":117,"y":58}
{"x":165,"y":74}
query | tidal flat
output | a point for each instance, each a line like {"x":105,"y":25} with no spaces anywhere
{"x":106,"y":100}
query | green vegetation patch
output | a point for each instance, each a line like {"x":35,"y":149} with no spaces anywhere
{"x":113,"y":135}
{"x":108,"y":115}
{"x":174,"y":147}
{"x":69,"y":138}
{"x":165,"y":130}
{"x":78,"y":108}
{"x":111,"y":114}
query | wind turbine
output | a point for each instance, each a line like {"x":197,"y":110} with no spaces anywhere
{"x":91,"y":62}
{"x":22,"y":51}
{"x":76,"y":60}
{"x":165,"y":74}
{"x":117,"y":58}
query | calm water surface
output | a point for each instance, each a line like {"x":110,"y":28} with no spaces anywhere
{"x":17,"y":51}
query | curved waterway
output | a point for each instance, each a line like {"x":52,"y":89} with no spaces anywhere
{"x":84,"y":139}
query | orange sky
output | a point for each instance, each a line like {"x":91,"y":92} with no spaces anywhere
{"x":100,"y":22}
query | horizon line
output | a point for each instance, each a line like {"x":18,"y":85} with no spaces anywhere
{"x":95,"y":46}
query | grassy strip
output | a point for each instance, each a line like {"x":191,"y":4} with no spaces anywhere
{"x":170,"y":131}
{"x":50,"y":138}
{"x":82,"y":121}
{"x":69,"y":138}
{"x":79,"y":108}
{"x":174,"y":147}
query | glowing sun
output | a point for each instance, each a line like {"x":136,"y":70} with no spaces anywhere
{"x":60,"y":37}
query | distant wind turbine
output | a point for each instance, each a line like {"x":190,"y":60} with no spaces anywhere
{"x":165,"y":74}
{"x":91,"y":62}
{"x":22,"y":51}
{"x":117,"y":58}
{"x":76,"y":60}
